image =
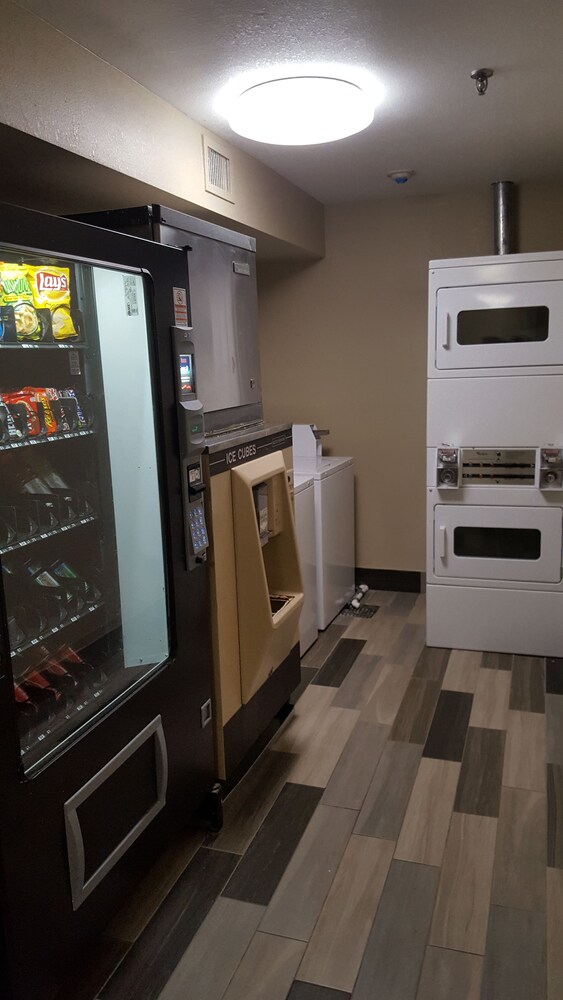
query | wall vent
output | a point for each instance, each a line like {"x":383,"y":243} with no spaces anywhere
{"x":218,"y":171}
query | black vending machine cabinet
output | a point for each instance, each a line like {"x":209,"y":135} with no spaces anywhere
{"x":105,"y":662}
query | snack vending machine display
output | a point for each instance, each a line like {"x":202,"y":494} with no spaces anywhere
{"x":105,"y":645}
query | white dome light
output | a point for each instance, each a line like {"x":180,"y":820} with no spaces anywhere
{"x":301,"y":111}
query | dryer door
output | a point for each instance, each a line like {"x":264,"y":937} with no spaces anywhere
{"x":474,"y":542}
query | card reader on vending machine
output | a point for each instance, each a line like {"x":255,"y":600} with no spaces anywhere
{"x":190,"y":426}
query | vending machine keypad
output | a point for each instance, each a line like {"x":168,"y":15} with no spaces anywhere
{"x":198,"y":530}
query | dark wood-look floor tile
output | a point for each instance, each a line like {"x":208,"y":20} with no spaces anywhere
{"x":384,"y":806}
{"x":151,"y":960}
{"x":338,"y":663}
{"x":497,"y":661}
{"x":521,"y":853}
{"x":555,"y":815}
{"x":446,"y":738}
{"x":265,"y":861}
{"x":416,"y":711}
{"x":248,"y":804}
{"x":554,"y":728}
{"x":432,"y":663}
{"x":395,"y":948}
{"x":450,"y":975}
{"x":478,"y":790}
{"x":554,"y":925}
{"x":302,"y":890}
{"x":527,"y":691}
{"x":554,"y":675}
{"x":515,"y":965}
{"x":356,"y":689}
{"x":307,"y":676}
{"x":352,"y":775}
{"x":226,"y":934}
{"x":308,"y":991}
{"x":323,"y":647}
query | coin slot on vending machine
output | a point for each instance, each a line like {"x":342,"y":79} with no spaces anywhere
{"x":191,"y":433}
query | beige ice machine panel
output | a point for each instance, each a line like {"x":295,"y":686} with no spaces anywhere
{"x":269,"y":584}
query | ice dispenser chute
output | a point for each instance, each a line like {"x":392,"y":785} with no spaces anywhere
{"x":269,"y":584}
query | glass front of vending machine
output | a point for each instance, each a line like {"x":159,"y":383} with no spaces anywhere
{"x":105,"y":651}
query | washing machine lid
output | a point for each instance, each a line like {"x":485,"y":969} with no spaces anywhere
{"x":323,"y":467}
{"x":302,"y":482}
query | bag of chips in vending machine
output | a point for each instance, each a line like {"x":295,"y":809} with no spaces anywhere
{"x":50,"y":288}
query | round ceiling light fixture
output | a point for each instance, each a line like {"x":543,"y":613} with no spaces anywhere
{"x":301,"y":110}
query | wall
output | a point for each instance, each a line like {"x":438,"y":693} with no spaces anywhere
{"x":343,"y":344}
{"x":60,"y":93}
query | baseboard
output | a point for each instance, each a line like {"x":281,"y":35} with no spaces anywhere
{"x":392,"y":579}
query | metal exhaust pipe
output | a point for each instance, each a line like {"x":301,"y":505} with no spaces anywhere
{"x":504,"y":217}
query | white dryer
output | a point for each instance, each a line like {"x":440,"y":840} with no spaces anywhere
{"x":304,"y":502}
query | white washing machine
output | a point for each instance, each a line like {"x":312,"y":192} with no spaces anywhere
{"x":304,"y":501}
{"x":333,"y":485}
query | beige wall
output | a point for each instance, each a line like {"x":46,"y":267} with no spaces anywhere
{"x":343,"y":344}
{"x":64,"y":95}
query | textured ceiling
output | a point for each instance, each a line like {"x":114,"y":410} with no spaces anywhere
{"x":422,"y":51}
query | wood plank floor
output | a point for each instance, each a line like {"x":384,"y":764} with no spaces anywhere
{"x":401,"y":838}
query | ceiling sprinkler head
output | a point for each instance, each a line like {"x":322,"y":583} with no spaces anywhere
{"x":401,"y":176}
{"x":481,"y":77}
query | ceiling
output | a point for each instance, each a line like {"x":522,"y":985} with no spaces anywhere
{"x":431,"y":120}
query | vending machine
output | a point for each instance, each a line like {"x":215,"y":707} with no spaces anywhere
{"x":106,"y":746}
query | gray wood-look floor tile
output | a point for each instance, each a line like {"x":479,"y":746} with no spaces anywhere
{"x":395,"y":948}
{"x":554,"y":727}
{"x":352,"y":775}
{"x":386,"y":801}
{"x":432,"y":663}
{"x":479,"y":785}
{"x":462,"y":670}
{"x":527,"y":692}
{"x":521,"y":850}
{"x":555,"y":815}
{"x":307,"y":675}
{"x":515,"y":966}
{"x":554,"y":925}
{"x":335,"y":951}
{"x":267,"y":969}
{"x":407,"y":647}
{"x":250,"y":801}
{"x":318,"y":756}
{"x":309,"y":991}
{"x":416,"y":711}
{"x":317,"y":654}
{"x":462,"y":904}
{"x":225,"y":934}
{"x":497,"y":661}
{"x":450,"y":975}
{"x":427,"y":819}
{"x":524,"y":755}
{"x":418,"y":614}
{"x":490,"y":702}
{"x":338,"y":663}
{"x":357,"y":688}
{"x":387,"y":694}
{"x":300,"y":895}
{"x":386,"y":630}
{"x":265,"y":861}
{"x":402,"y":604}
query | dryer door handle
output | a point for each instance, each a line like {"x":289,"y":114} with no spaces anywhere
{"x":446,"y":331}
{"x":442,"y":538}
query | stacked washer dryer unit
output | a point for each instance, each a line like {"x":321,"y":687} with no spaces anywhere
{"x":495,"y":459}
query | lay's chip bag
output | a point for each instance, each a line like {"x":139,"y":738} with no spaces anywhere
{"x":50,"y":289}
